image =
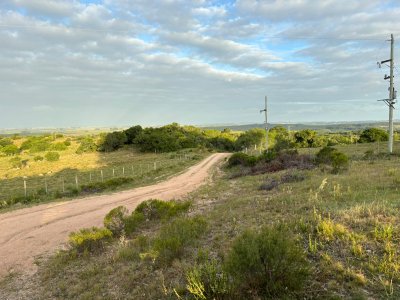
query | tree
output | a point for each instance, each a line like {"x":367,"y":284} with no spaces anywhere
{"x":250,"y":138}
{"x":132,"y":132}
{"x":305,"y":138}
{"x":371,"y":135}
{"x":113,"y":141}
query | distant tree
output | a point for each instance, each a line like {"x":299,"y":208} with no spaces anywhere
{"x":371,"y":135}
{"x":5,"y":142}
{"x":113,"y":141}
{"x":250,"y":138}
{"x":132,"y":132}
{"x":305,"y":138}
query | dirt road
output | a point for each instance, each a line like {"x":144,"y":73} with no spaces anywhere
{"x":39,"y":230}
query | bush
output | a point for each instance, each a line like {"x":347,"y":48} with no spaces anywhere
{"x":113,"y":141}
{"x":87,"y":144}
{"x":52,"y":156}
{"x":89,"y":240}
{"x":175,"y":236}
{"x":242,"y":159}
{"x":154,"y":210}
{"x":208,"y":281}
{"x":38,"y":158}
{"x":157,"y":209}
{"x":58,"y":147}
{"x":268,"y":263}
{"x":10,"y":150}
{"x":115,"y":220}
{"x":331,"y":156}
{"x":371,"y":135}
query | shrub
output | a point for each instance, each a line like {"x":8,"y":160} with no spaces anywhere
{"x":113,"y":141}
{"x":250,"y":138}
{"x":242,"y":159}
{"x":268,"y":263}
{"x":373,"y":135}
{"x":208,"y":281}
{"x":38,"y":158}
{"x":87,"y":144}
{"x":52,"y":156}
{"x":89,"y":240}
{"x":175,"y":236}
{"x":58,"y":147}
{"x":115,"y":220}
{"x":157,"y":209}
{"x":331,"y":156}
{"x":10,"y":150}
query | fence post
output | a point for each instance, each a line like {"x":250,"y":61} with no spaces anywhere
{"x":132,"y":170}
{"x":101,"y":173}
{"x":155,"y":165}
{"x":90,"y":177}
{"x":45,"y":185}
{"x":113,"y":172}
{"x":123,"y":171}
{"x":63,"y":185}
{"x":76,"y":181}
{"x":25,"y":188}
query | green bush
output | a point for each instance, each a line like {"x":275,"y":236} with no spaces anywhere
{"x":87,"y":144}
{"x":113,"y":141}
{"x":175,"y":236}
{"x":151,"y":210}
{"x":331,"y":156}
{"x":157,"y":209}
{"x":52,"y":156}
{"x":10,"y":150}
{"x":268,"y":263}
{"x":242,"y":159}
{"x":115,"y":220}
{"x":371,"y":135}
{"x":38,"y":158}
{"x":58,"y":147}
{"x":208,"y":281}
{"x":89,"y":240}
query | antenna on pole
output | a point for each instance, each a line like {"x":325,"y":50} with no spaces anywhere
{"x":391,"y":101}
{"x":266,"y":123}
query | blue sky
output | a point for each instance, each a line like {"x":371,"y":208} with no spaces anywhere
{"x":119,"y":62}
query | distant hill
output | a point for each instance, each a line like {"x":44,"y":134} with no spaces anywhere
{"x":322,"y":127}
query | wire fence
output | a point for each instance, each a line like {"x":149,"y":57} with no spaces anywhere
{"x":67,"y":181}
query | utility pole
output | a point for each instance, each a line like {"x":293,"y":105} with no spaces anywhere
{"x":391,"y":101}
{"x":266,"y":123}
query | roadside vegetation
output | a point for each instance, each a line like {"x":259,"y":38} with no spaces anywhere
{"x":287,"y":224}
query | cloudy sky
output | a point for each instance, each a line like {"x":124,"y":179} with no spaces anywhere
{"x":119,"y":62}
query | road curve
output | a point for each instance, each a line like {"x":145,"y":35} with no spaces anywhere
{"x":29,"y":232}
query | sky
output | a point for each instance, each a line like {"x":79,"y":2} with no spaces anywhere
{"x":71,"y":63}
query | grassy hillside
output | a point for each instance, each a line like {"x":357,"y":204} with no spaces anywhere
{"x":343,"y":230}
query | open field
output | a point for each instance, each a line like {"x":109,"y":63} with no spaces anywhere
{"x":346,"y":225}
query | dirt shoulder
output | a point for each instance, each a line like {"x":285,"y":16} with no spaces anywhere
{"x":40,"y":230}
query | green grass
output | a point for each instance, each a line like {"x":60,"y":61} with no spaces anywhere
{"x":346,"y":224}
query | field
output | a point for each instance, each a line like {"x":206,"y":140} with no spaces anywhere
{"x":47,"y":180}
{"x":346,"y":225}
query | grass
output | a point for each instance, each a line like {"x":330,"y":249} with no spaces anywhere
{"x":86,"y":173}
{"x":346,"y":225}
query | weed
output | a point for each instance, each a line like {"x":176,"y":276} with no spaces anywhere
{"x":115,"y":220}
